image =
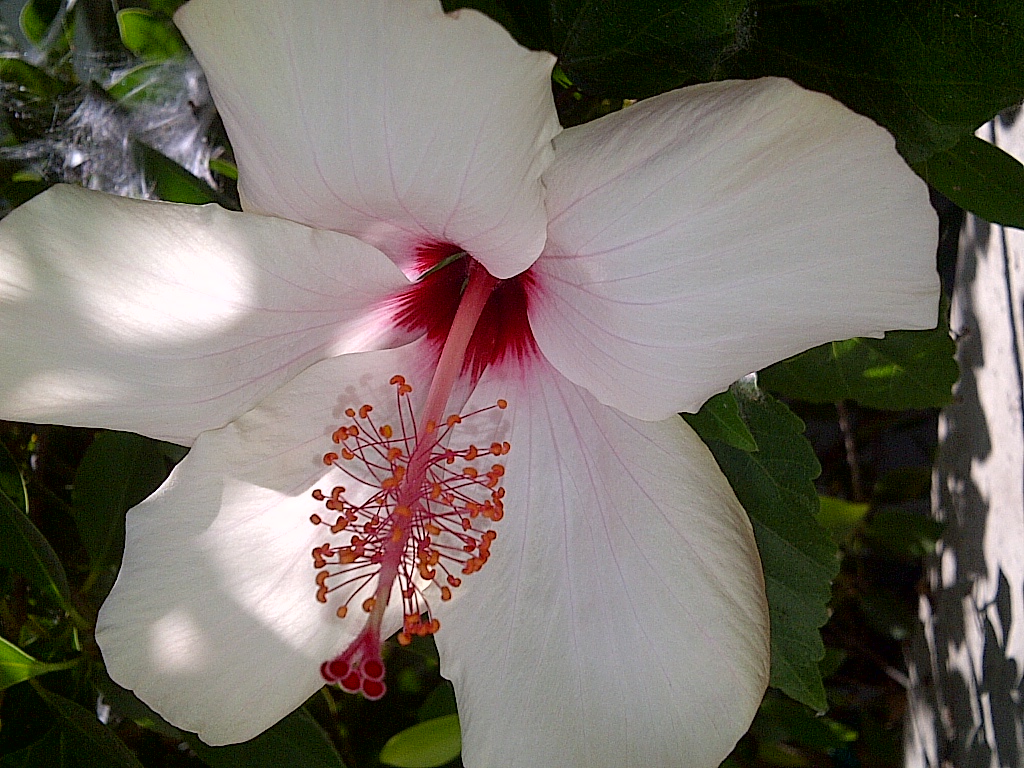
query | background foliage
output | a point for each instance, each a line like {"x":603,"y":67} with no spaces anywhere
{"x":95,"y":93}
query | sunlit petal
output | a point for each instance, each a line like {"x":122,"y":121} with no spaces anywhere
{"x":214,"y":620}
{"x":621,"y":619}
{"x":385,"y":119}
{"x":171,"y":319}
{"x":705,"y":233}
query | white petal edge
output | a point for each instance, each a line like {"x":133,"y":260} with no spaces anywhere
{"x":167,"y":319}
{"x":621,"y":620}
{"x":385,"y":119}
{"x":213,"y":619}
{"x":705,"y":233}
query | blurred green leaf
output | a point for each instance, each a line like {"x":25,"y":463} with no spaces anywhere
{"x":719,"y":419}
{"x":12,"y":484}
{"x":139,"y":84}
{"x":297,"y":740}
{"x":799,"y":557}
{"x":36,"y":17}
{"x":980,"y":178}
{"x":51,"y":751}
{"x":89,"y":742}
{"x":29,"y":79}
{"x":148,"y":35}
{"x":440,"y":702}
{"x":783,"y":720}
{"x":841,"y":517}
{"x":27,"y":552}
{"x":906,"y":369}
{"x":904,"y":533}
{"x":426,"y":745}
{"x":118,"y":471}
{"x":638,"y":49}
{"x":16,"y":666}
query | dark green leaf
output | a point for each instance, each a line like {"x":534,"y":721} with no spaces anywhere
{"x":148,"y":35}
{"x":628,"y":49}
{"x":782,"y":720}
{"x":904,"y":533}
{"x":980,"y":178}
{"x":426,"y":745}
{"x":16,"y":666}
{"x":799,"y":558}
{"x":27,"y":552}
{"x":118,"y":471}
{"x":86,"y":736}
{"x":931,"y":71}
{"x":296,"y":740}
{"x":906,"y":369}
{"x":49,"y":752}
{"x":719,"y":419}
{"x":12,"y":484}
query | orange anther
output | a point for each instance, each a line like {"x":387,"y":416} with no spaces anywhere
{"x":369,"y":603}
{"x":496,"y":449}
{"x":318,"y":494}
{"x":350,"y":412}
{"x":470,"y":472}
{"x":471,"y":453}
{"x":446,"y":593}
{"x":397,"y":379}
{"x":315,"y":519}
{"x":453,"y":420}
{"x":404,"y":638}
{"x":342,"y":612}
{"x":454,"y":580}
{"x":330,"y":458}
{"x":364,"y":411}
{"x":386,"y":432}
{"x":345,"y":452}
{"x":502,"y":404}
{"x":432,"y":529}
{"x":394,"y":452}
{"x":403,"y":511}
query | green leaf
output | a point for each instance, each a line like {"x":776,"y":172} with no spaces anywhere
{"x":149,"y":36}
{"x":904,"y":533}
{"x":30,"y":80}
{"x":426,"y":745}
{"x":719,"y":419}
{"x":118,"y":471}
{"x":51,"y":751}
{"x":27,"y":552}
{"x":980,"y":178}
{"x":12,"y":484}
{"x":36,"y":17}
{"x":906,"y":369}
{"x":175,"y":184}
{"x":799,"y":557}
{"x":90,"y":742}
{"x":638,"y":49}
{"x":931,"y":71}
{"x":16,"y":666}
{"x":841,"y":518}
{"x":296,"y":740}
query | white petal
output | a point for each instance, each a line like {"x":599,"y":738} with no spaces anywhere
{"x":621,"y":620}
{"x":705,"y":233}
{"x":171,"y":319}
{"x":385,"y":119}
{"x":213,"y":620}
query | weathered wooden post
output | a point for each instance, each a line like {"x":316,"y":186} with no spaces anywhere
{"x":966,"y":696}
